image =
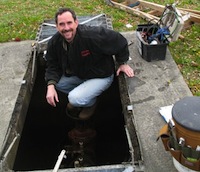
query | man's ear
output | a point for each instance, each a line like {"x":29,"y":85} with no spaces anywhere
{"x":76,"y":21}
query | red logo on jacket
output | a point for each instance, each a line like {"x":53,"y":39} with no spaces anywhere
{"x":85,"y":53}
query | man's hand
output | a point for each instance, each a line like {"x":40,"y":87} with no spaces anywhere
{"x":126,"y":69}
{"x":52,"y":96}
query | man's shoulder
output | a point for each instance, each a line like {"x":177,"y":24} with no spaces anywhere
{"x":88,"y":31}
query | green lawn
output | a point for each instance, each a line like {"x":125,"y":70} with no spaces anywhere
{"x":21,"y":19}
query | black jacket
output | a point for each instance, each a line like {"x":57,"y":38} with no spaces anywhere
{"x":90,"y":55}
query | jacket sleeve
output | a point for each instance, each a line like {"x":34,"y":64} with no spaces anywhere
{"x":53,"y":70}
{"x":113,"y":43}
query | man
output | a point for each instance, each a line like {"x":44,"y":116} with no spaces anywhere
{"x":80,"y":63}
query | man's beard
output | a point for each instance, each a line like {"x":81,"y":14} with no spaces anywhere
{"x":68,"y":39}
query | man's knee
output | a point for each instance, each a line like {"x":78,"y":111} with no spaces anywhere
{"x":79,"y":101}
{"x":74,"y":99}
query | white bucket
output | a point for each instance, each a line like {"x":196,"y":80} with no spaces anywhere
{"x":182,"y":168}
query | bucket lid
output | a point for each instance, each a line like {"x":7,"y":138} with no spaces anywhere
{"x":186,"y":112}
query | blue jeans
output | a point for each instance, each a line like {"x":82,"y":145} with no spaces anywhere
{"x":83,"y":92}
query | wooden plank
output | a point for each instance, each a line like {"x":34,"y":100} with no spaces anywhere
{"x":194,"y":15}
{"x":152,"y":5}
{"x":189,"y":10}
{"x":155,"y":13}
{"x":139,"y":13}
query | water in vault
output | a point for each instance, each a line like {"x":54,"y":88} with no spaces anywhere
{"x":45,"y":130}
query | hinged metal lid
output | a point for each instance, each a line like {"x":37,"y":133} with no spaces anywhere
{"x":48,"y":28}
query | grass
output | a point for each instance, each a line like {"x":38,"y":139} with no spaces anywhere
{"x":21,"y":19}
{"x":186,"y":53}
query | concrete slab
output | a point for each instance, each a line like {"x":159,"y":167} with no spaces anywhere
{"x":156,"y":84}
{"x":14,"y":57}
